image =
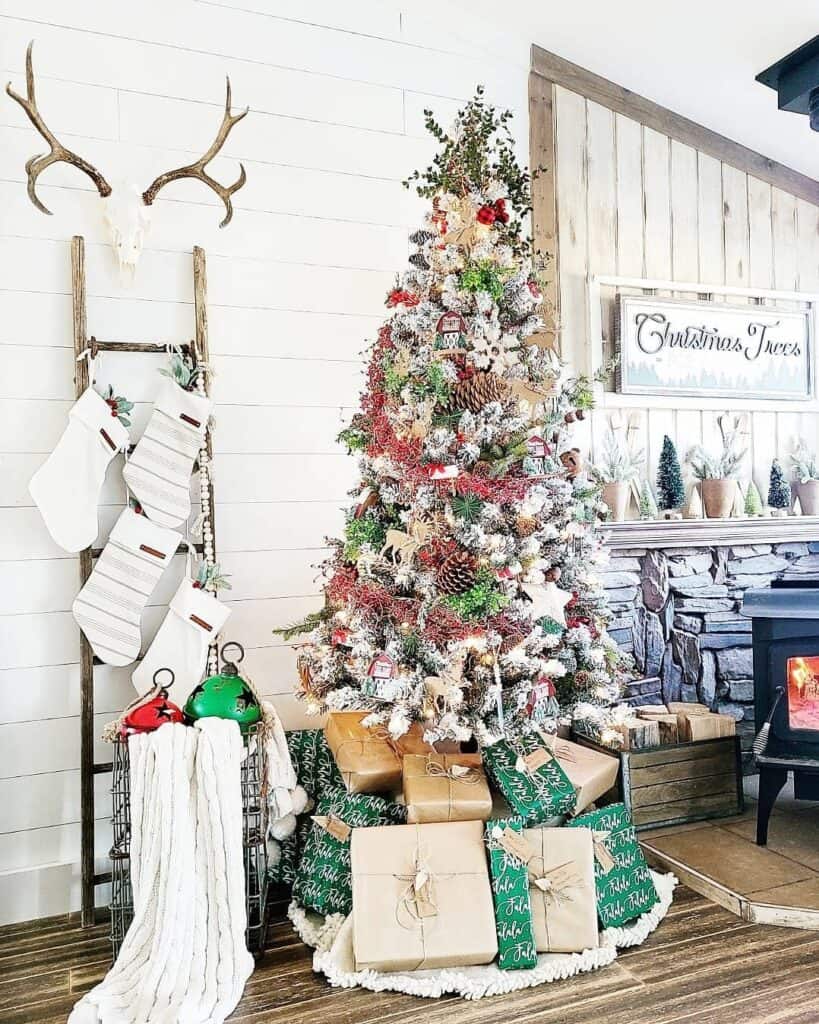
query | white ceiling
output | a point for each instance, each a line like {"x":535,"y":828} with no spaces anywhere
{"x":698,"y":58}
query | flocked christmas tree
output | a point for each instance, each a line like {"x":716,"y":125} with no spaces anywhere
{"x":463,"y":593}
{"x":779,"y":490}
{"x":670,"y":487}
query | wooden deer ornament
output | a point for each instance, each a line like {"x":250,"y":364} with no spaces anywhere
{"x":402,"y":547}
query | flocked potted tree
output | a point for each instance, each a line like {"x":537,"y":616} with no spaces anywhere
{"x":806,"y":484}
{"x":717,"y":473}
{"x":617,"y":468}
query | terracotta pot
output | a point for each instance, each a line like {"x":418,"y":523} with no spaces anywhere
{"x":808,"y":494}
{"x":718,"y":497}
{"x":615,"y":496}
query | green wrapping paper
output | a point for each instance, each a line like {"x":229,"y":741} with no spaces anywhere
{"x":625,"y":890}
{"x":323,"y":879}
{"x":513,"y":909}
{"x":317,"y":773}
{"x":534,"y":795}
{"x":313,"y":762}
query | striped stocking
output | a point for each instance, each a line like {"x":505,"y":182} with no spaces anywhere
{"x":109,"y":607}
{"x":158,"y":472}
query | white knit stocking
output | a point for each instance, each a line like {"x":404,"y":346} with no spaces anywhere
{"x":66,"y":487}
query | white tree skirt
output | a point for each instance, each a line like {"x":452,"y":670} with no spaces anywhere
{"x":332,"y":938}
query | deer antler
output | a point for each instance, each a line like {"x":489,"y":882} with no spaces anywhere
{"x":197,"y":169}
{"x":58,"y":153}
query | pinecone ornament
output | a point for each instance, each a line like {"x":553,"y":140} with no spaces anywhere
{"x":479,"y":390}
{"x":525,"y":525}
{"x":457,"y":573}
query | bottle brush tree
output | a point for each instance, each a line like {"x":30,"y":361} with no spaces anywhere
{"x":779,"y":490}
{"x":670,"y":487}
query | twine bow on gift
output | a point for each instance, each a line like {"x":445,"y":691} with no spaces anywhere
{"x":467,"y":774}
{"x":556,"y":883}
{"x":417,"y":901}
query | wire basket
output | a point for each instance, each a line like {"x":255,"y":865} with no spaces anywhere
{"x":254,"y":825}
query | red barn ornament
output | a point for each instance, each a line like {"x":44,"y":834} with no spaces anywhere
{"x":450,"y":329}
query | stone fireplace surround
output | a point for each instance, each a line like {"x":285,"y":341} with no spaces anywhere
{"x":676,"y":609}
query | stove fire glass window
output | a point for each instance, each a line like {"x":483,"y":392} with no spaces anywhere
{"x":803,"y":693}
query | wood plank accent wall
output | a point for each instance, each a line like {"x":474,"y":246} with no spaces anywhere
{"x":633,"y":201}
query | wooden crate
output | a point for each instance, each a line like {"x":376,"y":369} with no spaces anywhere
{"x":680,"y":782}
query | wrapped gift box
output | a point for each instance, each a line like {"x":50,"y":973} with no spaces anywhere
{"x":421,"y":897}
{"x":369,"y":760}
{"x":445,"y":787}
{"x":313,"y":761}
{"x":623,"y":881}
{"x":591,"y":773}
{"x":510,"y":891}
{"x":530,"y":778}
{"x":323,"y":881}
{"x":562,"y":889}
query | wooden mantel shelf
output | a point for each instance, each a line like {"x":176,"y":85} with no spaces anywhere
{"x":690,"y":533}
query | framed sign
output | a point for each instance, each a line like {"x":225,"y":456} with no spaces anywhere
{"x":671,"y":347}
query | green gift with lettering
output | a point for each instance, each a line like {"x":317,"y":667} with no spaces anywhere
{"x":530,"y":778}
{"x":513,"y":908}
{"x":323,"y":881}
{"x":623,"y":882}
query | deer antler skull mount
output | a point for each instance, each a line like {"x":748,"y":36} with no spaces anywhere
{"x":127,"y":220}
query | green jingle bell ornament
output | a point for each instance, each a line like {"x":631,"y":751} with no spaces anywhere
{"x":227,"y":695}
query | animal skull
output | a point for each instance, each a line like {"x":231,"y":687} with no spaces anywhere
{"x":128,"y":220}
{"x":124,"y":207}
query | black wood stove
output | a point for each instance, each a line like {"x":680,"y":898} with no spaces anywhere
{"x":786,"y":690}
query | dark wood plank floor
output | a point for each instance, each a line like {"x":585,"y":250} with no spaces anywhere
{"x":702,"y":965}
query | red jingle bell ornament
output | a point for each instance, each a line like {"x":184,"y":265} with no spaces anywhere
{"x":146,"y":715}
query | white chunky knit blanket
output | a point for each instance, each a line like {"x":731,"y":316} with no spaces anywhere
{"x":184,"y":959}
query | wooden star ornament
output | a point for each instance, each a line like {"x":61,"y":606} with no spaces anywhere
{"x":548,"y":601}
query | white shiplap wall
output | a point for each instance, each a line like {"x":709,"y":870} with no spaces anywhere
{"x":296,"y":288}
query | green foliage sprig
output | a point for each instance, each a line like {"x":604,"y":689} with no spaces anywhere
{"x":307,"y":625}
{"x":483,"y":277}
{"x":478,"y":148}
{"x":355,"y":437}
{"x":367,"y":530}
{"x":481,"y":600}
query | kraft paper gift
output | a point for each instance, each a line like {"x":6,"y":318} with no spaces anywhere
{"x":562,"y":889}
{"x":591,"y":773}
{"x":366,"y":758}
{"x":623,"y":881}
{"x":530,"y":778}
{"x":323,"y":881}
{"x":445,"y":787}
{"x":421,"y":897}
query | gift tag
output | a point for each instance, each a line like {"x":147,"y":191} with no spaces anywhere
{"x":557,"y":879}
{"x":334,"y":826}
{"x":514,"y":843}
{"x":536,"y":759}
{"x":424,"y":903}
{"x":601,"y":852}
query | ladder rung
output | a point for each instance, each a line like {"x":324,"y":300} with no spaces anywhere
{"x":181,"y":550}
{"x":145,"y":347}
{"x":102,"y":878}
{"x":103,"y":767}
